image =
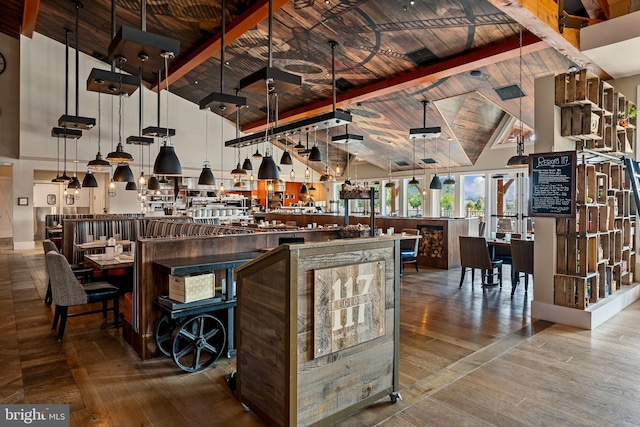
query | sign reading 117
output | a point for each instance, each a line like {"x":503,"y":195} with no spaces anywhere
{"x":340,"y":304}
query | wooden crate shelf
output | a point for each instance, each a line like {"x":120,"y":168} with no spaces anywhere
{"x":573,"y":291}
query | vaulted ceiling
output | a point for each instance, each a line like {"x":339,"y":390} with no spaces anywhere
{"x":461,"y":55}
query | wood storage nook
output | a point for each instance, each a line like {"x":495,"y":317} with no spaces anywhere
{"x":318,"y":330}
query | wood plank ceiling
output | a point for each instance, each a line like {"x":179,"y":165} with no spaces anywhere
{"x":391,"y":56}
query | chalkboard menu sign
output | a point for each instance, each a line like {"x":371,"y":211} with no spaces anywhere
{"x":552,"y":178}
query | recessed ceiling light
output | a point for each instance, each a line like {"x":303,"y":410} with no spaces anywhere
{"x":412,"y":2}
{"x":475,"y":73}
{"x":227,"y":62}
{"x":196,"y":82}
{"x":326,"y":2}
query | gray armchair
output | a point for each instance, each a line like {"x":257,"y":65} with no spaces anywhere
{"x":67,"y":292}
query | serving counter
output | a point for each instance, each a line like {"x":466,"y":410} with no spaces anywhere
{"x":439,"y":245}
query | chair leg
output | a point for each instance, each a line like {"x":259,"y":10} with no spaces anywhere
{"x":500,"y":275}
{"x":473,"y":276}
{"x":63,"y":321}
{"x":526,"y":283}
{"x":105,"y":308}
{"x":116,"y":311}
{"x":48,"y":298}
{"x":462,"y":275}
{"x":56,"y":318}
{"x":416,"y":263}
{"x":514,"y":281}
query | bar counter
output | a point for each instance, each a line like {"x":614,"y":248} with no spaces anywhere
{"x":439,"y":246}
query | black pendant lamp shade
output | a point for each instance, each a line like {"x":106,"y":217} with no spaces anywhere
{"x":286,"y":158}
{"x":74,"y":183}
{"x":123,"y":173}
{"x":98,"y":164}
{"x":131,"y":185}
{"x":153,"y":183}
{"x":238,"y":170}
{"x":304,"y":189}
{"x":449,"y":181}
{"x":268,"y":168}
{"x":414,"y":181}
{"x":519,"y":160}
{"x":89,"y":180}
{"x":120,"y":156}
{"x":247,"y":165}
{"x":257,"y":154}
{"x":315,"y":155}
{"x":167,"y":162}
{"x":206,"y":176}
{"x":390,"y":184}
{"x":435,"y":184}
{"x":326,"y":177}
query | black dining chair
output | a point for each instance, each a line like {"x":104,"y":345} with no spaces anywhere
{"x":474,"y":253}
{"x":68,"y":291}
{"x":409,"y":249}
{"x":84,"y":273}
{"x":522,"y":262}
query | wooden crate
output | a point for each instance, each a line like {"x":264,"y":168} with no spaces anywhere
{"x":192,"y":288}
{"x":573,"y":292}
{"x":577,"y":87}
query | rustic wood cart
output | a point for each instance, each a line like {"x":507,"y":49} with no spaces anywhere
{"x":191,"y":333}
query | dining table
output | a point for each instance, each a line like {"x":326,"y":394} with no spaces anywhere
{"x":105,"y":263}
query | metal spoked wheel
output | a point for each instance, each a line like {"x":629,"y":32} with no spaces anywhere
{"x":198,"y":342}
{"x":164,"y":332}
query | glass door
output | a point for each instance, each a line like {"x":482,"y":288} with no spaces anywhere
{"x":510,"y":201}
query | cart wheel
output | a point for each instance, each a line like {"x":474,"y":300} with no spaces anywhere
{"x":395,"y":396}
{"x":164,"y":330}
{"x":198,"y":342}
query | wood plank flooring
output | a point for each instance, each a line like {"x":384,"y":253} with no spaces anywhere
{"x":469,"y":356}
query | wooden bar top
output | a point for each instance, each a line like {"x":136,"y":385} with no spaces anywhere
{"x":203,"y":264}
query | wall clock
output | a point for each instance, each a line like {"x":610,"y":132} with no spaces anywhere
{"x":3,"y":63}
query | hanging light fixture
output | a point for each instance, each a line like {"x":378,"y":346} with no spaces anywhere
{"x":221,"y":189}
{"x":75,"y":183}
{"x":299,"y":147}
{"x":120,"y":156}
{"x":167,"y":162}
{"x":206,"y":176}
{"x":435,"y":183}
{"x":314,"y":154}
{"x":112,"y":188}
{"x":286,"y":157}
{"x":268,"y":169}
{"x":131,"y":186}
{"x":413,"y":180}
{"x":153,"y":183}
{"x":520,"y":160}
{"x":304,"y":189}
{"x":450,"y":180}
{"x":390,"y":183}
{"x":327,"y":176}
{"x":98,"y":164}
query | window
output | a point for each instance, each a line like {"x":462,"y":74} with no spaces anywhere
{"x":414,"y":199}
{"x":475,"y":195}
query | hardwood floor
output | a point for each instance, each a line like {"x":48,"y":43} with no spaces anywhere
{"x":469,"y":356}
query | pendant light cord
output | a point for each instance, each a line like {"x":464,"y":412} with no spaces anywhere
{"x":99,"y":113}
{"x":521,"y":139}
{"x":206,"y":135}
{"x":166,"y":72}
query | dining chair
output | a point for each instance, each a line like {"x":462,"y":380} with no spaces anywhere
{"x":84,"y":273}
{"x":68,"y":291}
{"x":482,"y":226}
{"x":522,"y":262}
{"x":474,"y":253}
{"x":409,"y":249}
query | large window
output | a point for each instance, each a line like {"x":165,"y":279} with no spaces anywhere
{"x":447,"y":199}
{"x":475,"y":195}
{"x":414,"y":199}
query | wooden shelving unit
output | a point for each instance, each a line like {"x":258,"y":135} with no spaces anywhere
{"x":596,"y":253}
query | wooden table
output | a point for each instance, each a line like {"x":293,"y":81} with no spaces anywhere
{"x":54,"y":231}
{"x":122,"y":260}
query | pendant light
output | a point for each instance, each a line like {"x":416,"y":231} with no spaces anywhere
{"x":123,"y":172}
{"x":75,"y":183}
{"x":327,"y":176}
{"x":347,"y":181}
{"x":206,"y":176}
{"x":304,"y":189}
{"x":450,"y":180}
{"x":314,"y":154}
{"x":520,"y":160}
{"x":390,"y":183}
{"x":413,"y":180}
{"x":299,"y":147}
{"x":221,"y":189}
{"x":435,"y":183}
{"x":167,"y":162}
{"x":120,"y":156}
{"x":154,"y":183}
{"x":268,"y":169}
{"x":131,"y":186}
{"x":286,"y":156}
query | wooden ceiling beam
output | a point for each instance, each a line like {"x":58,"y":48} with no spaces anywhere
{"x":249,"y":19}
{"x":541,"y":18}
{"x":459,"y":64}
{"x":30,"y":17}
